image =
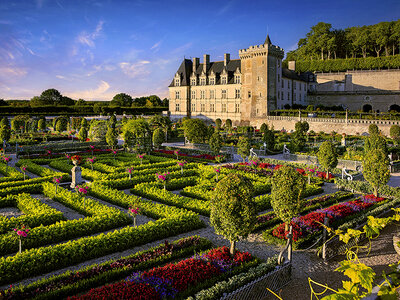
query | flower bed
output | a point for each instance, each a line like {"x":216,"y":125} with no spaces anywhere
{"x":173,"y":280}
{"x":306,"y":227}
{"x":71,"y":283}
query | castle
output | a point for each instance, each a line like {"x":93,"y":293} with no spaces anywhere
{"x":247,"y":89}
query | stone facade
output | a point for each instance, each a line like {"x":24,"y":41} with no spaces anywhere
{"x":239,"y":89}
{"x":245,"y":90}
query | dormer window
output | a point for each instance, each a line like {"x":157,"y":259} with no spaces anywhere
{"x":223,"y":80}
{"x":202,"y":81}
{"x":237,"y":78}
{"x":212,"y":81}
{"x":193,"y":81}
{"x":177,"y":82}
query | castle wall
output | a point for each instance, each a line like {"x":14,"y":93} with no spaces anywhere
{"x":362,"y":80}
{"x":356,"y":100}
{"x":325,"y":124}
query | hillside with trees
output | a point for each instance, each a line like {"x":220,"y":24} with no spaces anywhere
{"x":363,"y":47}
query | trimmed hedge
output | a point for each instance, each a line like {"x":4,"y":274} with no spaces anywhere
{"x":343,"y":64}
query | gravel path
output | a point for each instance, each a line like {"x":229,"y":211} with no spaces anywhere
{"x":10,"y":212}
{"x":68,"y":213}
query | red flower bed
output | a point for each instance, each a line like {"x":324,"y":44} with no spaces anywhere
{"x":185,"y":273}
{"x":281,"y":233}
{"x":172,"y":278}
{"x":121,"y":290}
{"x":323,"y":175}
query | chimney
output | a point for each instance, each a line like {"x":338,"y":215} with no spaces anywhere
{"x":227,"y":58}
{"x":196,"y":62}
{"x":292,"y":65}
{"x":206,"y":63}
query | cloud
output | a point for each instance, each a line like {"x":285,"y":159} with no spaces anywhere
{"x":156,"y":46}
{"x":182,"y":48}
{"x":224,"y":9}
{"x":39,"y":3}
{"x":135,"y":69}
{"x":97,"y":93}
{"x":60,"y":77}
{"x":88,"y":39}
{"x":12,"y":71}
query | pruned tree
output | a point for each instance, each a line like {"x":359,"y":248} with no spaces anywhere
{"x":111,"y":137}
{"x":215,"y":143}
{"x":233,"y":209}
{"x":83,"y":134}
{"x":218,"y":123}
{"x":395,"y":133}
{"x":195,"y":130}
{"x":376,"y":169}
{"x":287,"y":185}
{"x":327,"y":156}
{"x":243,"y":147}
{"x":158,"y":137}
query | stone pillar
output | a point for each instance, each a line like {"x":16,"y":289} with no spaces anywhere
{"x":76,"y":176}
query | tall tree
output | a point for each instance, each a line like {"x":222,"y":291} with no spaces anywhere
{"x":195,"y":130}
{"x":243,"y":147}
{"x":121,"y":99}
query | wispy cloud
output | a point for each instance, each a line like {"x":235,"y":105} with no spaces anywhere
{"x":156,"y":46}
{"x":60,"y":77}
{"x":12,"y":71}
{"x":182,"y":48}
{"x":97,"y":93}
{"x":135,"y":69}
{"x":224,"y":8}
{"x":88,"y":39}
{"x":39,"y":3}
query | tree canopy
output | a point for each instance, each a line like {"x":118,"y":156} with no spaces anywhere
{"x":324,"y":42}
{"x":233,"y":209}
{"x":195,"y":130}
{"x":327,"y":156}
{"x":376,"y":169}
{"x":121,"y":99}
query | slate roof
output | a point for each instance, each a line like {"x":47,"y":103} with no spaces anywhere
{"x":185,"y":70}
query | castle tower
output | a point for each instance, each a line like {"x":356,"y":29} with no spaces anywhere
{"x":261,"y":68}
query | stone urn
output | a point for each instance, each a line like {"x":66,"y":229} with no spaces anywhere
{"x":396,"y":240}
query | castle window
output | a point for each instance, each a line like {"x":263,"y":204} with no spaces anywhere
{"x":202,"y":94}
{"x":279,"y":63}
{"x":283,"y":83}
{"x":193,"y":94}
{"x":282,"y":95}
{"x":212,"y":81}
{"x":177,"y":95}
{"x":249,"y":94}
{"x":177,"y":82}
{"x":262,"y":61}
{"x":223,"y":107}
{"x":202,"y":81}
{"x":237,"y":108}
{"x":305,"y":86}
{"x":288,"y":84}
{"x":223,"y":95}
{"x":193,"y":107}
{"x":212,"y":94}
{"x":223,"y":80}
{"x":202,"y":107}
{"x":279,"y":78}
{"x":237,"y":93}
{"x":257,"y":111}
{"x":260,"y":94}
{"x":295,"y":85}
{"x":193,"y":81}
{"x":278,"y":95}
{"x":177,"y":107}
{"x":288,"y":96}
{"x":237,"y":78}
{"x":212,"y":107}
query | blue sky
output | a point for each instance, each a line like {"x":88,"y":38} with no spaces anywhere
{"x":96,"y":49}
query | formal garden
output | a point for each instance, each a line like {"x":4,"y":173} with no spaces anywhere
{"x":101,"y":210}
